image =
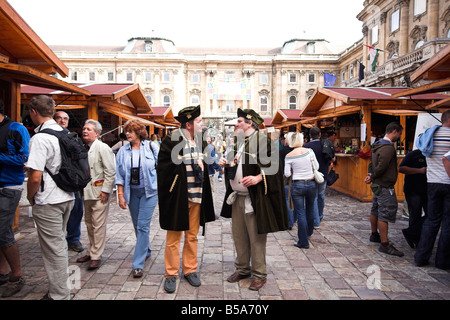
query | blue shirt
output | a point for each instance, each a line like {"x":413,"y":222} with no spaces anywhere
{"x":149,"y":157}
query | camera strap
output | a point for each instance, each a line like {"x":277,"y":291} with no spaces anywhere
{"x":139,"y":163}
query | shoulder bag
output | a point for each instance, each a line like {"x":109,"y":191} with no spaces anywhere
{"x":318,"y":176}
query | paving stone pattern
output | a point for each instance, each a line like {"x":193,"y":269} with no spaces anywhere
{"x":341,"y":263}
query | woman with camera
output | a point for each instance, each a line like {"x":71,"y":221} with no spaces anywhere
{"x":137,"y":186}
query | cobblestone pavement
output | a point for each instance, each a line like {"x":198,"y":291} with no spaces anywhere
{"x":340,"y":264}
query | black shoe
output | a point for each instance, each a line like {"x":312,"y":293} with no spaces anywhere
{"x":76,"y":246}
{"x":13,"y":287}
{"x":375,"y":237}
{"x":411,"y":243}
{"x":390,"y":249}
{"x":301,"y":247}
{"x":170,"y":284}
{"x":193,"y":279}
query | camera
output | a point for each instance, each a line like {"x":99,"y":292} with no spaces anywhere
{"x":135,"y":176}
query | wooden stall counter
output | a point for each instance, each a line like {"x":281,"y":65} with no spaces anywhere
{"x":352,"y":171}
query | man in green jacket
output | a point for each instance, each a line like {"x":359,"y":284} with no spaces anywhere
{"x":184,"y":195}
{"x":383,"y":176}
{"x":254,"y":198}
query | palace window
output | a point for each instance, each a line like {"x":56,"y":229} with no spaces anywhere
{"x":74,"y":76}
{"x":374,"y":35}
{"x":311,"y":78}
{"x":166,"y":100}
{"x":263,"y":103}
{"x":148,"y":46}
{"x":195,"y":78}
{"x":148,"y":76}
{"x":292,"y":78}
{"x":195,"y":100}
{"x":292,"y":102}
{"x":420,"y":6}
{"x":149,"y":98}
{"x":263,"y":78}
{"x":129,"y":76}
{"x":91,"y":76}
{"x":166,"y":76}
{"x":110,"y":76}
{"x":395,"y":20}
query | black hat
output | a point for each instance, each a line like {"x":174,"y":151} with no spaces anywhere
{"x":250,"y":114}
{"x":188,"y":114}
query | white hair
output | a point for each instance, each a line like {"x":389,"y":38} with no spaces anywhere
{"x":97,"y":125}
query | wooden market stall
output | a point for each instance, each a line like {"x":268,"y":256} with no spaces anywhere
{"x":436,"y":70}
{"x":25,"y":59}
{"x":163,"y":116}
{"x":353,"y":112}
{"x":112,"y":104}
{"x":287,"y":120}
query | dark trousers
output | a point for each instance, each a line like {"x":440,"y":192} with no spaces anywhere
{"x":438,"y":217}
{"x":74,"y":222}
{"x":416,"y":203}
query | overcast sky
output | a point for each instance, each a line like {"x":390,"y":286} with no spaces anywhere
{"x":196,"y":23}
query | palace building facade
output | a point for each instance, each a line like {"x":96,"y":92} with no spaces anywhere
{"x":221,"y":80}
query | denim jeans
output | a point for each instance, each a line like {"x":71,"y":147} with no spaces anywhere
{"x":438,"y":215}
{"x":319,"y":203}
{"x":74,"y":223}
{"x":304,"y":194}
{"x":291,"y":217}
{"x":141,"y":210}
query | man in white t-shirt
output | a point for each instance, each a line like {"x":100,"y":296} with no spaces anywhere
{"x":51,"y":205}
{"x":438,"y":188}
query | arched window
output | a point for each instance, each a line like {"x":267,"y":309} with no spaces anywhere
{"x":292,"y":102}
{"x":166,"y":100}
{"x":149,"y":98}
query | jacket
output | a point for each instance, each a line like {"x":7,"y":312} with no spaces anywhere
{"x":425,"y":141}
{"x":103,"y":170}
{"x":383,"y":164}
{"x":149,"y":155}
{"x":14,"y":152}
{"x":173,"y":188}
{"x":267,"y":197}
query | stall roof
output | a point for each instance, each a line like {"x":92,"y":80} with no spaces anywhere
{"x":21,"y":45}
{"x":436,"y":68}
{"x":125,"y":100}
{"x":331,"y":100}
{"x":163,"y":115}
{"x":286,"y":118}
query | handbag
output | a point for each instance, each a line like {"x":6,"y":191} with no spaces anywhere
{"x":318,"y":176}
{"x":332,"y":177}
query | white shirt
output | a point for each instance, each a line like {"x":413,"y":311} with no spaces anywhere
{"x":45,"y":152}
{"x":301,"y":166}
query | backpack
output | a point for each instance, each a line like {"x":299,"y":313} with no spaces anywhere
{"x":327,"y":149}
{"x":74,"y":173}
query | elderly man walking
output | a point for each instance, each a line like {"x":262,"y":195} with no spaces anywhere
{"x":97,"y":192}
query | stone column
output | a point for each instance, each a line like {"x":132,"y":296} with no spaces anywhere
{"x":433,"y":19}
{"x":404,"y":27}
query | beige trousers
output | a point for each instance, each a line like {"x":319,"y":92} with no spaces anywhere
{"x":250,"y":246}
{"x":51,"y":222}
{"x":95,"y":217}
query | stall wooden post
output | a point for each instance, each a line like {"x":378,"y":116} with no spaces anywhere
{"x":366,"y":112}
{"x":93,"y":109}
{"x":403,"y":136}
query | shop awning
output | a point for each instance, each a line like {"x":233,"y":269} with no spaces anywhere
{"x":132,"y":117}
{"x":33,"y":77}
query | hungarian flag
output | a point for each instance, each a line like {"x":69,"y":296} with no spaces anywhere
{"x":373,"y":57}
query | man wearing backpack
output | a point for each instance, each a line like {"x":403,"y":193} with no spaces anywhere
{"x":51,"y":205}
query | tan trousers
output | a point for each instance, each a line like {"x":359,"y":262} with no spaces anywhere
{"x":95,"y":217}
{"x":51,"y":222}
{"x":173,"y":239}
{"x":250,"y":246}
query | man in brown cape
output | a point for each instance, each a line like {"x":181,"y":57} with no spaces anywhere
{"x":184,"y":195}
{"x":254,"y":198}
